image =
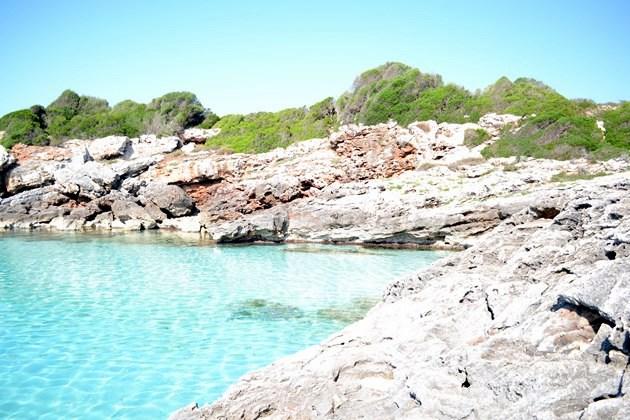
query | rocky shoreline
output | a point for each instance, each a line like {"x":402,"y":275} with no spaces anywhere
{"x":383,"y":185}
{"x":529,"y":321}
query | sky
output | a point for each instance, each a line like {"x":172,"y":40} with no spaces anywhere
{"x":248,"y":56}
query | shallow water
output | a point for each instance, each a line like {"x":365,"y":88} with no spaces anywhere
{"x":138,"y":325}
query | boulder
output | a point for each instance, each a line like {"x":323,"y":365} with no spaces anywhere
{"x":31,"y":174}
{"x":198,"y":135}
{"x":90,"y":180}
{"x":150,"y":145}
{"x":23,"y":153}
{"x":185,"y":170}
{"x":131,"y":216}
{"x":108,"y":147}
{"x":183,"y":224}
{"x":271,"y":226}
{"x":169,"y":198}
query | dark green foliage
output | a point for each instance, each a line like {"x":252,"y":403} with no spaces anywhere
{"x":173,"y":112}
{"x":386,"y":92}
{"x":24,"y":126}
{"x":264,"y":131}
{"x":74,"y":116}
{"x":617,"y":123}
{"x":554,"y":126}
{"x":210,"y":120}
{"x":404,"y":94}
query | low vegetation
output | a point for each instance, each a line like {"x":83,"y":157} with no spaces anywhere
{"x":264,"y":131}
{"x":74,"y":116}
{"x":575,"y":176}
{"x":552,"y":125}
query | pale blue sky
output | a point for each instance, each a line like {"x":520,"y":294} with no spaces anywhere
{"x":245,"y":56}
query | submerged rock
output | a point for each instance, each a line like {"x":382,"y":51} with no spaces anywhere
{"x":264,"y":310}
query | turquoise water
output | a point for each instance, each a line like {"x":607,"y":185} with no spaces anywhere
{"x":138,"y":325}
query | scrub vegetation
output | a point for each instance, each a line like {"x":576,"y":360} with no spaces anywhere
{"x":552,"y":127}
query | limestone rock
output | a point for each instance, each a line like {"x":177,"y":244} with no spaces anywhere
{"x":493,"y":123}
{"x":270,"y":225}
{"x":91,"y":180}
{"x":185,"y":170}
{"x":150,"y":145}
{"x":169,"y":198}
{"x":189,"y":224}
{"x":128,"y":215}
{"x":31,"y":174}
{"x":108,"y":147}
{"x":531,"y":321}
{"x":6,"y":159}
{"x":198,"y":135}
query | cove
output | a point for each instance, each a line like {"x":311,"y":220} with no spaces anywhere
{"x":138,"y":325}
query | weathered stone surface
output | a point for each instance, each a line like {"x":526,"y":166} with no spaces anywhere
{"x":23,"y":153}
{"x":530,"y":322}
{"x":198,"y":135}
{"x":185,"y":170}
{"x":269,"y":225}
{"x":90,"y":180}
{"x":150,"y":145}
{"x":382,"y":184}
{"x":129,"y":215}
{"x":191,"y":224}
{"x":31,"y":174}
{"x":169,"y":198}
{"x":6,"y":159}
{"x":108,"y":147}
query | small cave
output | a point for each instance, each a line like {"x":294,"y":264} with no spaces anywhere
{"x":611,"y":255}
{"x":593,"y":315}
{"x":546,"y":212}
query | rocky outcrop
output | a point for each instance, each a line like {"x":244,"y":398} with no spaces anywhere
{"x":385,"y":184}
{"x":530,"y":322}
{"x":198,"y":135}
{"x":169,"y":198}
{"x":108,"y":147}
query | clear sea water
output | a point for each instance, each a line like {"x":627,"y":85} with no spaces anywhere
{"x":138,"y":325}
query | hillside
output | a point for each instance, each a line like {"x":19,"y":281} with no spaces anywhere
{"x":553,"y":126}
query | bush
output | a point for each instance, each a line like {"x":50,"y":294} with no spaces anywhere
{"x":386,"y":92}
{"x":24,"y":126}
{"x":173,"y":112}
{"x":74,"y":116}
{"x":264,"y":131}
{"x":617,"y":124}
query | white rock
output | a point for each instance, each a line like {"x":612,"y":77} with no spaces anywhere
{"x":108,"y":147}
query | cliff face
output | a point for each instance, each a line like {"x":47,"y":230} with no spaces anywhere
{"x":530,"y":322}
{"x":382,"y":184}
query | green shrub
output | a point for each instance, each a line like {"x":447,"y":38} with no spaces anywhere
{"x":173,"y":112}
{"x":264,"y":131}
{"x":617,"y":124}
{"x":570,"y":177}
{"x":386,"y":92}
{"x":24,"y":126}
